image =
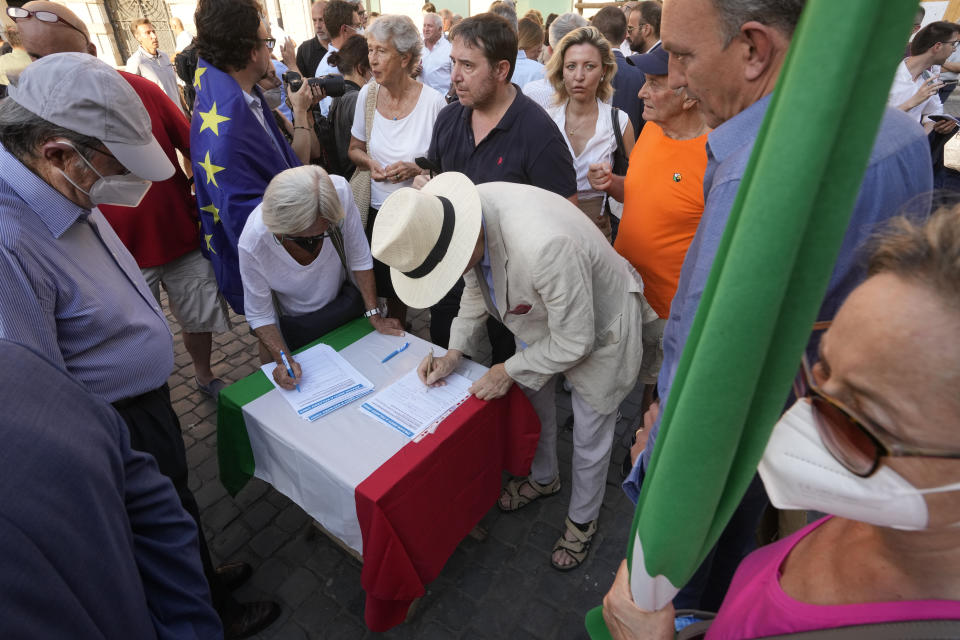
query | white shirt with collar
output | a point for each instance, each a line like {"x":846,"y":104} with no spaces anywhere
{"x":256,"y":107}
{"x":436,"y":66}
{"x":905,"y":86}
{"x":157,"y":69}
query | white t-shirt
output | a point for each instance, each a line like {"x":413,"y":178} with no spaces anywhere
{"x":904,"y":87}
{"x":401,"y":140}
{"x":599,"y":148}
{"x":265,"y":266}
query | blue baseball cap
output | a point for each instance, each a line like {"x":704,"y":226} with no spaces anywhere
{"x":653,"y":62}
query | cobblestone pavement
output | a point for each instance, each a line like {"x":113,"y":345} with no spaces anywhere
{"x":502,"y":587}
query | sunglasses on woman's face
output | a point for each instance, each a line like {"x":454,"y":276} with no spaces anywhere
{"x":307,"y":243}
{"x":856,"y":444}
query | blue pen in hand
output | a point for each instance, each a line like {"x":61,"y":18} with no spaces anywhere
{"x":286,"y":363}
{"x":393,"y":353}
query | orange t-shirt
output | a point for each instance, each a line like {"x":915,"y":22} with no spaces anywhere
{"x":663,"y":202}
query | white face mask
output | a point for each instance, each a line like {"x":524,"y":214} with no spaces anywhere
{"x":122,"y":190}
{"x":273,"y":97}
{"x":799,"y":473}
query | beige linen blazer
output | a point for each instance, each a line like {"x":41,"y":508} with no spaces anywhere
{"x":560,"y":287}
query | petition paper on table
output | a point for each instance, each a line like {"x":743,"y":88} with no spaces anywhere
{"x":410,"y":407}
{"x":328,"y":382}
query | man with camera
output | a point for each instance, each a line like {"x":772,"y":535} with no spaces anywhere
{"x":236,"y":145}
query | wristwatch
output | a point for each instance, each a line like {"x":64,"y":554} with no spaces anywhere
{"x":371,"y":312}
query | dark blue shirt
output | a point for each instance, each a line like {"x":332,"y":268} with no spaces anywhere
{"x":627,"y":82}
{"x":94,"y":542}
{"x":525,"y":147}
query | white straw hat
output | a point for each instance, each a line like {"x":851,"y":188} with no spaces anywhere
{"x":427,"y":237}
{"x":79,"y":92}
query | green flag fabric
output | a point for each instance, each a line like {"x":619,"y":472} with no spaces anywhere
{"x":765,"y":287}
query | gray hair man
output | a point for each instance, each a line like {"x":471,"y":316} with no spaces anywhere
{"x":434,"y":68}
{"x":728,"y":54}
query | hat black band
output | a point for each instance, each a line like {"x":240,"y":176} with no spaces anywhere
{"x":443,"y":242}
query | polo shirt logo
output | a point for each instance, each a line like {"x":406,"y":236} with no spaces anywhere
{"x":499,"y":161}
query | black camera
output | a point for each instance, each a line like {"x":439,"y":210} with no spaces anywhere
{"x":332,"y":85}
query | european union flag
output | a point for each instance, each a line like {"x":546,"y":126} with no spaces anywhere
{"x":234,"y":158}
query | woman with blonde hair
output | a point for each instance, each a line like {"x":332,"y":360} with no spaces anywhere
{"x":580,"y":72}
{"x":402,"y":115}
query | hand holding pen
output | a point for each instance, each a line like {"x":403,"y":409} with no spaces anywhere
{"x":287,"y":373}
{"x":432,"y":371}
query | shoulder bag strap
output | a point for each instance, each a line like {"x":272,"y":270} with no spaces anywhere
{"x":371,"y":108}
{"x":620,"y":155}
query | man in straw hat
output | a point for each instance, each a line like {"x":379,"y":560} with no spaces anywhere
{"x":575,"y":306}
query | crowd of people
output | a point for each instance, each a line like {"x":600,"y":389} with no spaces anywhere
{"x":557,"y":189}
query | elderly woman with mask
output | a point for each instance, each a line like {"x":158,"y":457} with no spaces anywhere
{"x":872,"y":441}
{"x":402,"y":123}
{"x":298,"y":251}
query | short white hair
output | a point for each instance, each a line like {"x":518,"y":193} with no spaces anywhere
{"x":434,"y":18}
{"x":564,"y":24}
{"x":399,"y":31}
{"x":295,"y":198}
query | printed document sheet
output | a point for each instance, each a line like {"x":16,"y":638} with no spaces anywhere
{"x":410,"y":407}
{"x":328,"y":382}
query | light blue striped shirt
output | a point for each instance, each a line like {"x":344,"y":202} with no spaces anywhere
{"x":70,"y":290}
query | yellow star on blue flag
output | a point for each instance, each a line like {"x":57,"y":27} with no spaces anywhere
{"x":211,"y":120}
{"x":207,"y":237}
{"x":211,"y":169}
{"x":196,"y":76}
{"x":211,"y":208}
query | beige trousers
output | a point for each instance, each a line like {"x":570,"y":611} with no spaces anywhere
{"x":592,"y":444}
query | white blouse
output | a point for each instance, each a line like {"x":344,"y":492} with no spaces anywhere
{"x":266,"y":267}
{"x":401,"y":140}
{"x":599,"y":148}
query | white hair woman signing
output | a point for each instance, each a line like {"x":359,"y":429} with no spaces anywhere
{"x":297,"y":252}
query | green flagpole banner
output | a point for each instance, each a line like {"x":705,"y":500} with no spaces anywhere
{"x":766,"y":285}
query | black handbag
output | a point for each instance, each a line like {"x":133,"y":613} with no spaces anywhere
{"x":303,"y":329}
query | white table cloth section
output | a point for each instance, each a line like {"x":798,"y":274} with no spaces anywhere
{"x":319,"y":464}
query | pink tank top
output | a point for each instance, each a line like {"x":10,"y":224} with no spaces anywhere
{"x":756,"y":606}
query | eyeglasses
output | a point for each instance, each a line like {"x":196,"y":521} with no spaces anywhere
{"x":632,"y":29}
{"x":952,"y":43}
{"x":19,"y":13}
{"x":856,"y":444}
{"x":270,"y":42}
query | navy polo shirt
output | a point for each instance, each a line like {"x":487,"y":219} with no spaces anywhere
{"x":524,"y":147}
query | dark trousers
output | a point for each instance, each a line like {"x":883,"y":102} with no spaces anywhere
{"x":155,"y":429}
{"x":708,"y":586}
{"x":502,"y":344}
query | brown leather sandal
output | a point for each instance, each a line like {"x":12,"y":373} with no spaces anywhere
{"x":576,"y":549}
{"x":518,"y":500}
